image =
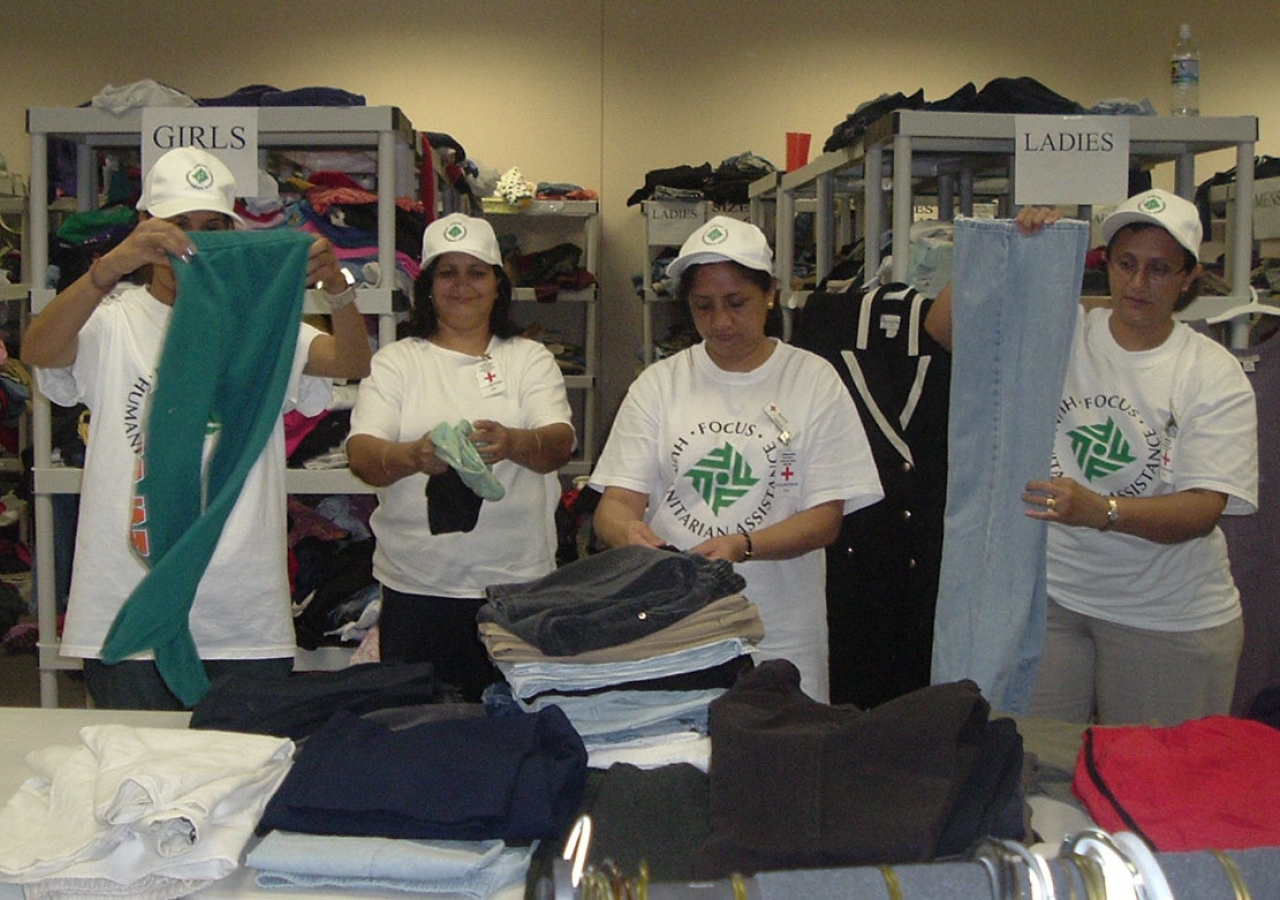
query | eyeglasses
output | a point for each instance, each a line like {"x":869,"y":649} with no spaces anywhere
{"x":1157,"y":271}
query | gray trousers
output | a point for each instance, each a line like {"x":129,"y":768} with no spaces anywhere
{"x":1134,"y":676}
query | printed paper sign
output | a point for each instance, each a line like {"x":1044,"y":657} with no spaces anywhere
{"x":1071,"y":159}
{"x":228,"y":132}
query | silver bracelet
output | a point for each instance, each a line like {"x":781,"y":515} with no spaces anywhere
{"x":341,"y":300}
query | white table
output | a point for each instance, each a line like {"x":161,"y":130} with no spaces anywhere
{"x":23,"y":729}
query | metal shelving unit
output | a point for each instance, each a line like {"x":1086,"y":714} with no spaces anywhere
{"x":959,"y":157}
{"x":538,"y":226}
{"x":667,"y":223}
{"x":383,"y":129}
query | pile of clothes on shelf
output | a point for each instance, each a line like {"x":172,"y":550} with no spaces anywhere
{"x":336,"y":600}
{"x":324,"y":192}
{"x":1021,"y":94}
{"x":726,"y":184}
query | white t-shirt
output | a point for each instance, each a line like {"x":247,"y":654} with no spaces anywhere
{"x":241,"y":608}
{"x":702,"y":444}
{"x":414,"y":386}
{"x":1143,"y":424}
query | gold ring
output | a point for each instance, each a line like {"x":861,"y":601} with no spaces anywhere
{"x":1050,"y":504}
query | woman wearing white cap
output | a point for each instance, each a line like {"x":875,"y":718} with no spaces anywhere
{"x":438,"y":544}
{"x":1156,"y":440}
{"x":99,"y":342}
{"x":741,"y":448}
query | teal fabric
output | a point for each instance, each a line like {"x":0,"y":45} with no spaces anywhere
{"x":453,"y":445}
{"x":227,"y":358}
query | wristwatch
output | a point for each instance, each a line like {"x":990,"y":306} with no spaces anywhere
{"x":1113,"y":513}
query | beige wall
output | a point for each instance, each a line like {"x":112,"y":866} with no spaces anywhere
{"x":599,"y":92}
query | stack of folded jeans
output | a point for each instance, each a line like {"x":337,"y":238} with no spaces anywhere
{"x":632,"y":645}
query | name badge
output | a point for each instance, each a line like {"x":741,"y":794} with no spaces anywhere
{"x":489,"y":378}
{"x":787,"y":483}
{"x":775,"y":415}
{"x":1168,"y":443}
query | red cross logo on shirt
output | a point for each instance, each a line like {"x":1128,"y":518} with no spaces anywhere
{"x":489,"y":377}
{"x":787,"y":473}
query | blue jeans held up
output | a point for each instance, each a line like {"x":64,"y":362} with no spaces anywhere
{"x":1015,"y":302}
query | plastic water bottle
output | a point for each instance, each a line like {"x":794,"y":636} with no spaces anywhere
{"x":1184,"y":75}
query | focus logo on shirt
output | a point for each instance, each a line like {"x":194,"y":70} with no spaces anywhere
{"x":1104,"y":441}
{"x":1100,"y":449}
{"x":727,"y":478}
{"x":139,"y":536}
{"x":722,"y":477}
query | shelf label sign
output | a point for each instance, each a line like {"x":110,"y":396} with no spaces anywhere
{"x":229,"y":133}
{"x":671,"y":221}
{"x":1071,"y":159}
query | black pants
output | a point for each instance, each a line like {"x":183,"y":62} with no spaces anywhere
{"x":136,"y":683}
{"x":416,"y":628}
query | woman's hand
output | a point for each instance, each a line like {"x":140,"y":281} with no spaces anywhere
{"x":1031,"y":219}
{"x":1066,"y":501}
{"x":619,"y":519}
{"x":421,"y":454}
{"x":493,"y":440}
{"x":541,"y":450}
{"x":639,"y":533}
{"x":732,"y":547}
{"x":52,"y":338}
{"x":150,"y":243}
{"x":323,"y":268}
{"x":380,"y":462}
{"x":1164,"y":519}
{"x":798,"y":534}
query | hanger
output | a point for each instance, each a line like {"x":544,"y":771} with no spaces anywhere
{"x":1240,"y":318}
{"x":1253,"y":307}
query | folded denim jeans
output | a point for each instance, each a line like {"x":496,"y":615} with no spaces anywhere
{"x":609,"y":598}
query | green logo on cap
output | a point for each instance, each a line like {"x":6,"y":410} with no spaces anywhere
{"x":1152,"y":205}
{"x":455,"y":232}
{"x":200,"y":177}
{"x":717,"y":234}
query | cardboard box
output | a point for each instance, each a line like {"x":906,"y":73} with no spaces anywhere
{"x":1266,"y":208}
{"x":1266,"y":205}
{"x":671,"y":221}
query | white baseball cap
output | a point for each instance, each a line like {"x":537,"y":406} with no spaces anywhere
{"x":1174,"y":214}
{"x":724,"y":239}
{"x":457,"y":233}
{"x":188,"y":179}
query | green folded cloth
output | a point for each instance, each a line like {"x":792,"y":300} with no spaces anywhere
{"x":454,"y":446}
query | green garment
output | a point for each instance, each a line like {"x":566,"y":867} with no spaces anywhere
{"x":227,"y":358}
{"x":80,"y":226}
{"x":454,"y":447}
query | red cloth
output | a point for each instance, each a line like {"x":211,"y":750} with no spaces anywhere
{"x":331,"y":179}
{"x":297,"y":427}
{"x":1207,"y":784}
{"x":321,"y":198}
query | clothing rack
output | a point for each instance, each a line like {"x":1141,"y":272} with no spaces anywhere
{"x":1091,"y":863}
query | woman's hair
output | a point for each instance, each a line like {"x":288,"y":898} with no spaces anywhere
{"x":422,"y":319}
{"x":763,"y":280}
{"x":1189,"y":262}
